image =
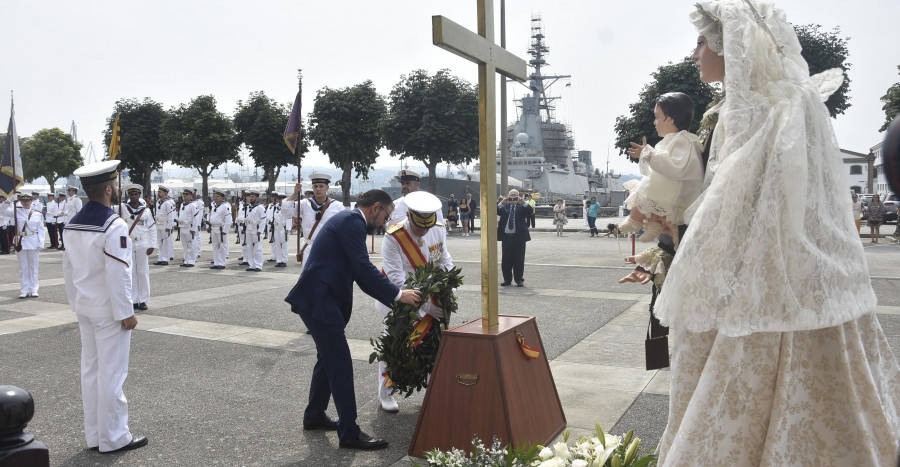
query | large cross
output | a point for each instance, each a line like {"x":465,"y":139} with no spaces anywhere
{"x":491,"y":58}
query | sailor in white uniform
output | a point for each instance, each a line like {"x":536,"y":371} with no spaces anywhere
{"x":281,"y":232}
{"x":97,"y":272}
{"x":270,"y":220}
{"x":142,"y":231}
{"x":199,"y":206}
{"x":166,"y":218}
{"x":425,"y":231}
{"x":219,"y":225}
{"x":71,"y":207}
{"x":51,"y":219}
{"x":313,"y":212}
{"x":189,"y":218}
{"x":36,"y":203}
{"x":242,"y":228}
{"x":409,"y":183}
{"x":255,"y":222}
{"x":28,"y":230}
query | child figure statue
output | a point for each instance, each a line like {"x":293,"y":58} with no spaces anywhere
{"x":673,"y":171}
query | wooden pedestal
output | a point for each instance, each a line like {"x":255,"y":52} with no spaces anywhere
{"x":483,"y":384}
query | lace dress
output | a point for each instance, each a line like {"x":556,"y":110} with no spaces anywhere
{"x":778,"y":357}
{"x":672,"y":177}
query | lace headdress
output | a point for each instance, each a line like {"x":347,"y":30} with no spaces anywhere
{"x":771,"y":245}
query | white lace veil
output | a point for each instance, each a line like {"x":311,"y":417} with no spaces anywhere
{"x":772,"y":245}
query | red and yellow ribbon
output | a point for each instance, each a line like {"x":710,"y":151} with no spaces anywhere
{"x":529,"y":352}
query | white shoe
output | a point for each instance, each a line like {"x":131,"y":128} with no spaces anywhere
{"x":388,"y":404}
{"x":23,"y":295}
{"x":35,"y":294}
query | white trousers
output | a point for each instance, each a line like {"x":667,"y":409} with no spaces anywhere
{"x":197,"y":246}
{"x":28,"y":270}
{"x":245,"y":246}
{"x":220,"y":247}
{"x":280,"y":247}
{"x":140,"y":275}
{"x":105,"y":347}
{"x":166,"y":242}
{"x":189,"y":246}
{"x":254,"y":250}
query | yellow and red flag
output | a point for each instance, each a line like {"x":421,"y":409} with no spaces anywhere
{"x":114,"y":143}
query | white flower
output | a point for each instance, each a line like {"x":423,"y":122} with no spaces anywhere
{"x":579,"y":463}
{"x":554,"y":462}
{"x":545,"y":454}
{"x":562,"y":450}
{"x":612,"y":440}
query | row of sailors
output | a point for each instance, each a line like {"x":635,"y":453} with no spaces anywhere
{"x":54,"y":216}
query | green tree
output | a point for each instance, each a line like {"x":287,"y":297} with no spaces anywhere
{"x":139,"y":127}
{"x":50,"y":153}
{"x":260,"y":126}
{"x":346,"y":124}
{"x":891,"y":106}
{"x":433,"y":119}
{"x":682,"y":77}
{"x":822,"y":51}
{"x":197,"y":135}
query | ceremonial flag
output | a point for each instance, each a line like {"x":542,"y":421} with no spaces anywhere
{"x":114,"y":148}
{"x":292,"y":130}
{"x":11,"y":164}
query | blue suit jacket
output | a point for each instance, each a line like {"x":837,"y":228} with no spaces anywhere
{"x":522,"y":221}
{"x":324,"y":292}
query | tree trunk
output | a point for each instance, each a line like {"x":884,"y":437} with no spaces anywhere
{"x":345,"y":183}
{"x":148,"y":174}
{"x":432,"y":175}
{"x":270,"y":176}
{"x":204,"y":173}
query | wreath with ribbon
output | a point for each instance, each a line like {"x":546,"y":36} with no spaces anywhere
{"x":410,"y":346}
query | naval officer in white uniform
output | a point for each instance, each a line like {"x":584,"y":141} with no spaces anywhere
{"x":28,"y":240}
{"x":166,"y":218}
{"x":255,"y":222}
{"x":313,"y":212}
{"x":423,"y":228}
{"x":97,"y":272}
{"x":142,"y":230}
{"x":189,"y":218}
{"x":409,"y":183}
{"x":219,"y":225}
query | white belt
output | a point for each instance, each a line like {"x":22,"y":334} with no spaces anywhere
{"x":23,"y":234}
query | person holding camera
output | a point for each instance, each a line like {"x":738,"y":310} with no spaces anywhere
{"x":512,"y":231}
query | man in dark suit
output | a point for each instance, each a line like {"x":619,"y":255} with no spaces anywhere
{"x":512,"y":231}
{"x":323,"y":297}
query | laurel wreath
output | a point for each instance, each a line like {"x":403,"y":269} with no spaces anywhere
{"x":407,"y":366}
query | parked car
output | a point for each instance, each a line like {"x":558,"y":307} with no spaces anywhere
{"x":865,"y":199}
{"x":891,"y":202}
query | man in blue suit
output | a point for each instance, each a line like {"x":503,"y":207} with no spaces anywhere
{"x":512,"y":232}
{"x":323,"y":297}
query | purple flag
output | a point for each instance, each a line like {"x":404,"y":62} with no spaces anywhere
{"x":11,"y":164}
{"x":292,"y":130}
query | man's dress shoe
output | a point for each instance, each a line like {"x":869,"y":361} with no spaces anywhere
{"x":136,"y":442}
{"x":364,"y":442}
{"x":325,"y":423}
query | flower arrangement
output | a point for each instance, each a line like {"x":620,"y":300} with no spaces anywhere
{"x":410,"y":358}
{"x":602,"y":450}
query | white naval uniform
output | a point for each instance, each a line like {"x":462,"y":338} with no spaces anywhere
{"x":52,"y":220}
{"x":197,"y":246}
{"x":97,"y":272}
{"x":270,"y":218}
{"x":166,"y":218}
{"x":396,"y":266}
{"x":189,"y":219}
{"x":256,"y":222}
{"x":282,"y":231}
{"x":399,"y":214}
{"x":307,"y":215}
{"x":31,"y":231}
{"x":71,"y":206}
{"x":219,"y":225}
{"x":143,"y":237}
{"x":242,"y":232}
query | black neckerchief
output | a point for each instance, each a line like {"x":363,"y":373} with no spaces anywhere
{"x":133,"y":211}
{"x":318,"y":207}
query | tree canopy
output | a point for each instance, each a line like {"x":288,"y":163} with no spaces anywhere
{"x":346,"y":124}
{"x":260,"y":124}
{"x":822,"y":50}
{"x":891,"y":100}
{"x":50,"y":153}
{"x":197,"y":135}
{"x":433,"y":119}
{"x":139,"y":128}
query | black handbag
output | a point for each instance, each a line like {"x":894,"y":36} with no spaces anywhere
{"x":656,"y":346}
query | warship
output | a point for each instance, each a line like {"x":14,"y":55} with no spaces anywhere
{"x":543,"y":158}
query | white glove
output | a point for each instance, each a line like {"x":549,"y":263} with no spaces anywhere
{"x":432,"y":309}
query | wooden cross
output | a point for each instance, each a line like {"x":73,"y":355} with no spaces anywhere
{"x":491,"y":58}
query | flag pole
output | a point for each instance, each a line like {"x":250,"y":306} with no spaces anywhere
{"x":299,"y":159}
{"x":12,"y":158}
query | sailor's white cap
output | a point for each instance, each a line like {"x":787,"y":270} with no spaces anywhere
{"x":97,"y":172}
{"x":320,"y":178}
{"x":133,"y":187}
{"x":423,"y":208}
{"x":408,"y":176}
{"x":190,"y":190}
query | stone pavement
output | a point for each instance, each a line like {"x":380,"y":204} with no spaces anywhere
{"x":219,"y":365}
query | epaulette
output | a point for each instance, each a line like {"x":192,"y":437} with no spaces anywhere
{"x":395,"y":227}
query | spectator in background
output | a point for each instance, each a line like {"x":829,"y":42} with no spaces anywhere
{"x":529,"y":201}
{"x":559,"y":216}
{"x":857,"y":211}
{"x":464,"y":212}
{"x":876,"y":214}
{"x":473,"y":208}
{"x":592,"y":209}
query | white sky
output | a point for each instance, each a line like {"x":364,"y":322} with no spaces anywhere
{"x":72,"y":60}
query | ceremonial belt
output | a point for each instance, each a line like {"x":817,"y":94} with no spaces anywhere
{"x":412,"y":252}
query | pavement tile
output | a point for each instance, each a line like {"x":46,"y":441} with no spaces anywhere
{"x":33,"y":306}
{"x":31,"y":323}
{"x":599,"y":378}
{"x":274,"y":339}
{"x":203,"y":330}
